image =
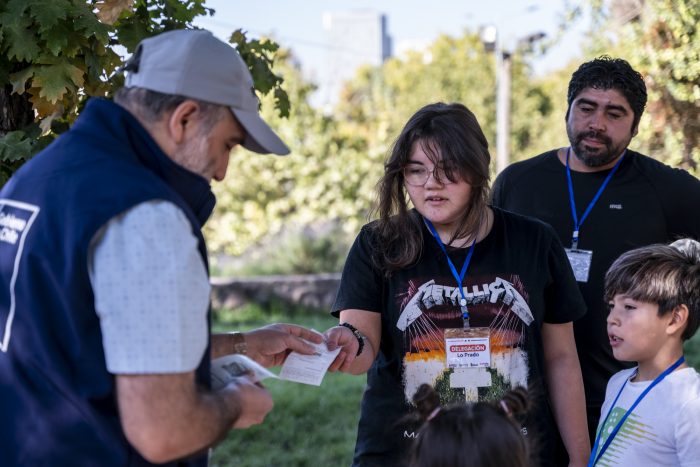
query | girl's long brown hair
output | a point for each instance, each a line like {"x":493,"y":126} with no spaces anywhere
{"x":451,"y":136}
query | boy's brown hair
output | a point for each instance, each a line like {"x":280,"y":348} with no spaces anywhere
{"x":667,"y":275}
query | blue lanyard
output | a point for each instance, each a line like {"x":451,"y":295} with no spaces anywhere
{"x":594,"y":459}
{"x":459,"y":277}
{"x":577,"y":222}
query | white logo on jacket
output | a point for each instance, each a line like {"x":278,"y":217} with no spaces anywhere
{"x":16,"y":219}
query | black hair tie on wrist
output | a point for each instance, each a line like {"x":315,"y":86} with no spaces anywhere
{"x":358,"y":335}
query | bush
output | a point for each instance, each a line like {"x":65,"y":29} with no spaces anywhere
{"x":306,"y":250}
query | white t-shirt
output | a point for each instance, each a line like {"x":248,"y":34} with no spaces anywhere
{"x":151,"y":291}
{"x":664,"y":428}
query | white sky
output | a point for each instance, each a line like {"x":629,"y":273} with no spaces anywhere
{"x":297,"y":24}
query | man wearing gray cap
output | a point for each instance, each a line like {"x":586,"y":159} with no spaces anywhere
{"x":105,"y":343}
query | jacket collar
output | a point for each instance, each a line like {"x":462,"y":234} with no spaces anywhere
{"x":110,"y":119}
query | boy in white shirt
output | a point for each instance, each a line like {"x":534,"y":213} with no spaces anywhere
{"x":651,"y":414}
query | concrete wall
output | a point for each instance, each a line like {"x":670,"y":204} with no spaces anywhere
{"x":312,"y":291}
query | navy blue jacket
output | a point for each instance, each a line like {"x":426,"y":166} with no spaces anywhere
{"x":57,"y":399}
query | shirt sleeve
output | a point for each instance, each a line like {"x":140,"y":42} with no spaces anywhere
{"x":361,"y":285}
{"x":151,"y":291}
{"x":685,"y":224}
{"x":679,"y":192}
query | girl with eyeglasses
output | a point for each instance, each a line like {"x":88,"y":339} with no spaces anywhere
{"x":445,"y":290}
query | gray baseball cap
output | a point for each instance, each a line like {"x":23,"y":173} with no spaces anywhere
{"x":195,"y":64}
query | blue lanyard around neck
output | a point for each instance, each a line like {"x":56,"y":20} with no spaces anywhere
{"x":459,"y":277}
{"x":594,"y":459}
{"x":577,"y":222}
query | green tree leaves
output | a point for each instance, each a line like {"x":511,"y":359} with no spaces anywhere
{"x":54,"y":78}
{"x":260,"y":57}
{"x":14,"y":147}
{"x":55,"y":54}
{"x":660,"y":40}
{"x":337,"y":158}
{"x":52,"y":51}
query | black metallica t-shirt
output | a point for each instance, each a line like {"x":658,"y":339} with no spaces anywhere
{"x":518,"y":278}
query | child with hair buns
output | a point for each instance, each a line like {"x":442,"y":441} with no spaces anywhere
{"x":481,"y":434}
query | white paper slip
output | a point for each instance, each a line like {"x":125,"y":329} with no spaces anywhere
{"x":308,"y":369}
{"x":224,"y":369}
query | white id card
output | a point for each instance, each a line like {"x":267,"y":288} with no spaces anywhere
{"x":580,"y":261}
{"x":468,"y":348}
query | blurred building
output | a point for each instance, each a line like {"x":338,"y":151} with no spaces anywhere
{"x":354,"y":38}
{"x":624,"y":11}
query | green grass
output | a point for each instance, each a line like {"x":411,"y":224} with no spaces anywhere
{"x":309,"y":425}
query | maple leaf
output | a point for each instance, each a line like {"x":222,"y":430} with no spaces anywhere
{"x":282,"y":102}
{"x":258,"y":55}
{"x":43,"y":107}
{"x":14,"y":146}
{"x":45,"y":124}
{"x":59,"y":52}
{"x":86,"y":23}
{"x":75,"y":44}
{"x":56,"y":79}
{"x":94,"y":66}
{"x":56,"y":38}
{"x":47,"y":14}
{"x":16,"y":7}
{"x":19,"y":36}
{"x":19,"y":79}
{"x":108,"y":11}
{"x":131,"y":32}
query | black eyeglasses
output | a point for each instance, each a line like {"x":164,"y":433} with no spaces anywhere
{"x":417,"y":175}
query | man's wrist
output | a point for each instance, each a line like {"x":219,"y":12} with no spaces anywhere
{"x":230,"y":408}
{"x":238,"y":343}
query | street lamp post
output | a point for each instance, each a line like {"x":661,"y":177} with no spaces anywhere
{"x":503,"y":98}
{"x":504,"y":60}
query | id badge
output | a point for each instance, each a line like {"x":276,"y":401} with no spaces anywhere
{"x":468,"y":348}
{"x":580,"y":261}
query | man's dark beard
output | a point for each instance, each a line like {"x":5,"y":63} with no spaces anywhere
{"x":594,"y":158}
